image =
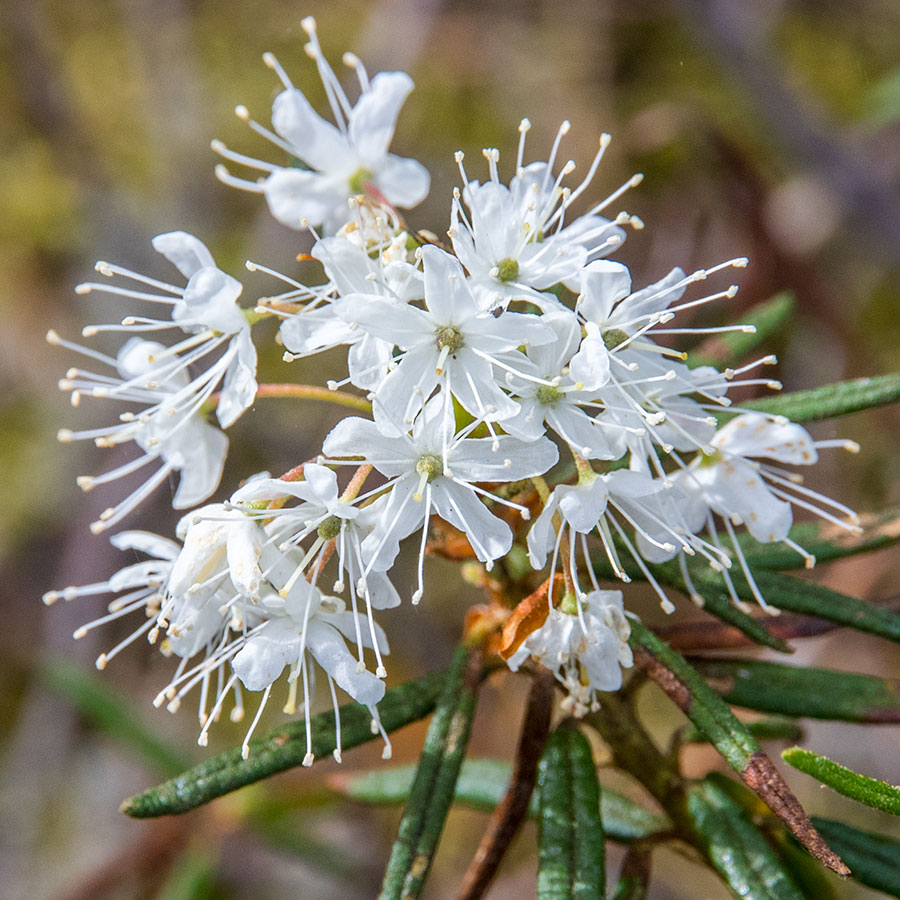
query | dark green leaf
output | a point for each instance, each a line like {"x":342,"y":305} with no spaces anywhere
{"x":825,"y":541}
{"x":729,"y":348}
{"x":431,"y":794}
{"x":762,"y":729}
{"x":710,"y":715}
{"x":798,"y":596}
{"x":571,"y":852}
{"x":634,"y":878}
{"x":873,"y":858}
{"x":284,"y":749}
{"x":110,"y":713}
{"x":832,"y":400}
{"x":728,"y":735}
{"x":482,"y":784}
{"x":794,"y":691}
{"x":718,"y":603}
{"x":870,"y":791}
{"x":735,"y":848}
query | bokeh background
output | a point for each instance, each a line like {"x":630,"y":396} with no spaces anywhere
{"x":769,"y":129}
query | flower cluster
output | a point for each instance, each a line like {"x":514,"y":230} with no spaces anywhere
{"x":518,"y":388}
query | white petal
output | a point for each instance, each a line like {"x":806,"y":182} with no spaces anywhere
{"x":603,"y":284}
{"x":331,"y":653}
{"x":317,"y":142}
{"x":474,"y":460}
{"x":239,"y":389}
{"x":447,"y":295}
{"x":489,"y":536}
{"x":210,"y":301}
{"x":373,"y":119}
{"x":755,"y":434}
{"x":404,"y":182}
{"x":294,"y":195}
{"x":187,"y":253}
{"x":146,"y":542}
{"x":541,"y":535}
{"x":204,"y":460}
{"x":265,"y":654}
{"x":590,"y":365}
{"x":583,"y":506}
{"x":398,"y":323}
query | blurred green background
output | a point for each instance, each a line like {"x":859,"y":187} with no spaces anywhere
{"x":770,"y":130}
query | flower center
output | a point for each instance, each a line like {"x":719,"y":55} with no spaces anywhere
{"x":449,"y":338}
{"x":710,"y":459}
{"x":330,"y":528}
{"x":357,"y":181}
{"x":507,"y":269}
{"x":429,"y":466}
{"x":612,"y":337}
{"x":548,"y":394}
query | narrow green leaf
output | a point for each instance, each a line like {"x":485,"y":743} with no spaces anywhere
{"x":110,"y":713}
{"x":700,"y":703}
{"x":762,"y":729}
{"x":810,"y":599}
{"x":727,"y":349}
{"x":811,"y":877}
{"x":718,"y":603}
{"x":193,"y":877}
{"x":571,"y":852}
{"x":629,"y":888}
{"x":870,"y":791}
{"x":634,"y":877}
{"x":711,"y":589}
{"x":797,"y":595}
{"x":794,"y":691}
{"x":284,"y":749}
{"x":825,"y":541}
{"x":735,"y":848}
{"x":482,"y":784}
{"x":832,"y":400}
{"x":874,"y":858}
{"x":432,"y":790}
{"x":728,"y":735}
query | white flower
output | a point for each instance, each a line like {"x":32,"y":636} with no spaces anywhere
{"x":645,"y":504}
{"x":352,"y":269}
{"x":341,"y":160}
{"x":321,"y":626}
{"x":550,"y":395}
{"x":451,"y":343}
{"x":431,"y":470}
{"x":515,"y":242}
{"x":585,"y":647}
{"x":171,"y":400}
{"x":729,"y":481}
{"x":334,"y":522}
{"x":139,"y":587}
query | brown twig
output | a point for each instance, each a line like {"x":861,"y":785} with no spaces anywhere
{"x":692,"y":637}
{"x":512,"y":810}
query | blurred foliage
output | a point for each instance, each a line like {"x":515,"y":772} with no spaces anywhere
{"x":770,"y":130}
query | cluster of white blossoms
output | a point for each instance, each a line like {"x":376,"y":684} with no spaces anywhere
{"x":512,"y":371}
